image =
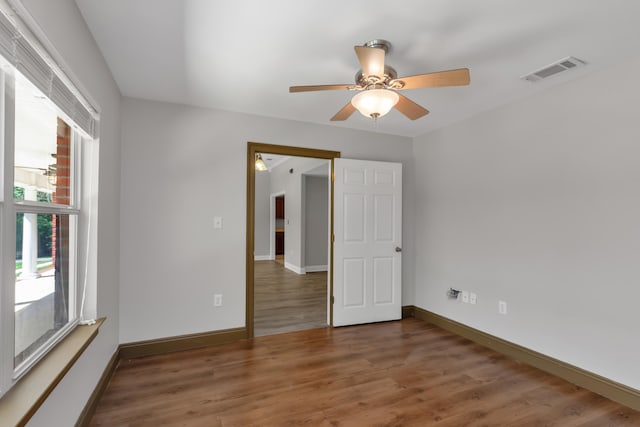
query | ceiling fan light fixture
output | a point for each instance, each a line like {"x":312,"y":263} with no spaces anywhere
{"x":378,"y":85}
{"x":260,"y":164}
{"x":375,"y":103}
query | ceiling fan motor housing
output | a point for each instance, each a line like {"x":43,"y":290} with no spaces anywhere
{"x":379,"y":44}
{"x":365,"y":81}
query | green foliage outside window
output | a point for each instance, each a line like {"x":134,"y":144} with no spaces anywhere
{"x":44,"y":225}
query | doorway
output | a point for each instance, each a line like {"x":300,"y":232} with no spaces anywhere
{"x":278,"y":229}
{"x":296,"y":253}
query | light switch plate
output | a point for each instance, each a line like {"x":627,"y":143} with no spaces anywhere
{"x":502,"y":307}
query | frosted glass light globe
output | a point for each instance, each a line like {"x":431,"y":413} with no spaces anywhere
{"x":375,"y":103}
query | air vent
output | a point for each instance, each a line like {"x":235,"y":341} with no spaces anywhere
{"x":555,"y":68}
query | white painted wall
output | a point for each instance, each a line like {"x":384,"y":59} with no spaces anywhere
{"x":172,"y":259}
{"x":262,"y":239}
{"x":537,"y":203}
{"x":316,"y":221}
{"x":64,"y":27}
{"x":283,"y":180}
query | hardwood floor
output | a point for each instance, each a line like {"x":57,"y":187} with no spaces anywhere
{"x":285,"y":301}
{"x":403,"y":373}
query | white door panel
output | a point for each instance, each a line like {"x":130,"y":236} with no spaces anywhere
{"x":383,"y":226}
{"x":354,"y":206}
{"x":383,"y":292}
{"x":354,"y":274}
{"x":368,"y":228}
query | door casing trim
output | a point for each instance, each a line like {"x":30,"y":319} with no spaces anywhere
{"x":252,"y":149}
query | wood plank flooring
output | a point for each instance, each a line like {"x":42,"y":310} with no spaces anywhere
{"x":285,"y":301}
{"x":403,"y":373}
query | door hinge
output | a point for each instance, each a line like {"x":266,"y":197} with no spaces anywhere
{"x":333,"y":177}
{"x":333,"y":299}
{"x":333,"y":238}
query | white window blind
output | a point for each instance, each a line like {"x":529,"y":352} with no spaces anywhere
{"x":31,"y":60}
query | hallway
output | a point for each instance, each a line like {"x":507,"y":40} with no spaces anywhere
{"x":286,"y":301}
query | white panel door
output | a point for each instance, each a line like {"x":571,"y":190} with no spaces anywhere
{"x":368,"y":238}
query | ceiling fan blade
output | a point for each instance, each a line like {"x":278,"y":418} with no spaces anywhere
{"x":410,"y":109}
{"x":313,"y":88}
{"x":371,"y":60}
{"x":344,"y":113}
{"x":459,"y":77}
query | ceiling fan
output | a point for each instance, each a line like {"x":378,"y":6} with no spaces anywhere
{"x":378,"y":84}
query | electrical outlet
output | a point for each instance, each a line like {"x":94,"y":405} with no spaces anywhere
{"x":465,"y":297}
{"x":217,"y":300}
{"x":473,"y":298}
{"x":502,"y":307}
{"x":217,"y":222}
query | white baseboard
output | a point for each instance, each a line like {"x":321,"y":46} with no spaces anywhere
{"x":262,"y":258}
{"x":294,"y":268}
{"x":315,"y":268}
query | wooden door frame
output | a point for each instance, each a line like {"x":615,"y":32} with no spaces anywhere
{"x":252,"y":149}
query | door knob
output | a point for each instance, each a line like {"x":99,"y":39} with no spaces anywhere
{"x":398,"y":249}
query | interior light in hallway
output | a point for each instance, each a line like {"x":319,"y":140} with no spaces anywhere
{"x":260,"y":165}
{"x":375,"y":103}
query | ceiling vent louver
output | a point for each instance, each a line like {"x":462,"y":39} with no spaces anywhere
{"x":552,"y":69}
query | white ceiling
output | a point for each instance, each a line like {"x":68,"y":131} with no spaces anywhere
{"x":273,"y":160}
{"x":242,"y":55}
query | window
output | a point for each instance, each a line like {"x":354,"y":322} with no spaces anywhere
{"x":46,"y":216}
{"x":49,"y":165}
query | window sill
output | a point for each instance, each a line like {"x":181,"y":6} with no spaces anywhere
{"x":19,"y":404}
